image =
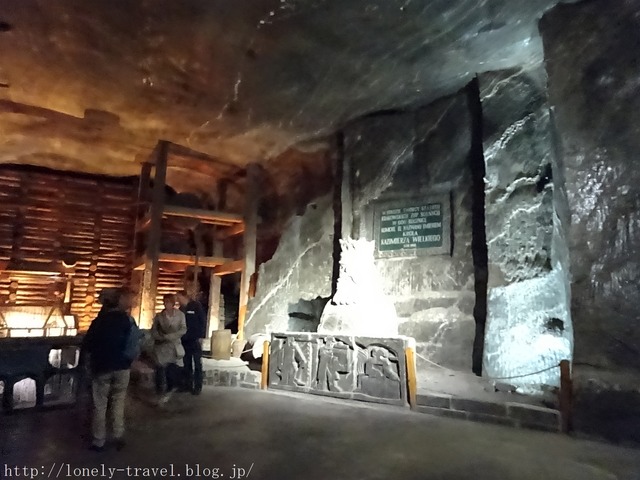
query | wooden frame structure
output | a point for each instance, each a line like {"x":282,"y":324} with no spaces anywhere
{"x":151,"y":208}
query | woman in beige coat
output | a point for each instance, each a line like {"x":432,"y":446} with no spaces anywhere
{"x":168,"y":328}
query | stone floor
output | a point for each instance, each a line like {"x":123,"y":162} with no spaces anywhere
{"x":284,"y":436}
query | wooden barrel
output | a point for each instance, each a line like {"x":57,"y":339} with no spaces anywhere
{"x":221,"y":344}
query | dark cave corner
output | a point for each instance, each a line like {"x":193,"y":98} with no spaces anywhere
{"x":479,"y":239}
{"x":304,"y":316}
{"x":338,"y":176}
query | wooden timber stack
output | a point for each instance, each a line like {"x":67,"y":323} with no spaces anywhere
{"x":48,"y":216}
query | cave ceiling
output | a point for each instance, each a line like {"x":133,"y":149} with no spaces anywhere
{"x":91,"y":85}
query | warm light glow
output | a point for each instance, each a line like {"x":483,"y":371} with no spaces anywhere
{"x":30,"y":322}
{"x":26,"y":332}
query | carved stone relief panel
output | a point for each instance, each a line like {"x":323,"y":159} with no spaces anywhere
{"x":360,"y":368}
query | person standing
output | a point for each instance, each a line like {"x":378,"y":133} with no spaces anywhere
{"x":167,"y":330}
{"x":106,"y":343}
{"x":196,"y":325}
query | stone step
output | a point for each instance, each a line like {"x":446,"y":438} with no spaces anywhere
{"x":222,"y":373}
{"x":250,"y":385}
{"x":509,"y":413}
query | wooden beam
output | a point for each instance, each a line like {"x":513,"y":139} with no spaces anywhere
{"x":205,"y":216}
{"x":47,"y":269}
{"x":230,"y":231}
{"x":138,"y":264}
{"x":188,"y":159}
{"x":230,"y":267}
{"x":210,"y":262}
{"x":143,"y":224}
{"x":252,"y":200}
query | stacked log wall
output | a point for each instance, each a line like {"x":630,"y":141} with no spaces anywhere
{"x":46,"y":216}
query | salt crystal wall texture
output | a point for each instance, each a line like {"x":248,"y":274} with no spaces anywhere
{"x":594,"y":79}
{"x":528,"y":316}
{"x":418,"y":154}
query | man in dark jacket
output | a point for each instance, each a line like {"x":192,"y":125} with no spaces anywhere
{"x":196,"y":326}
{"x":106,"y":343}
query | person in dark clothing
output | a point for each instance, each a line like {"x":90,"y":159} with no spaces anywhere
{"x":106,"y":344}
{"x":196,"y":330}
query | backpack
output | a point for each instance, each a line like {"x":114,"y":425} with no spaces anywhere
{"x":132,"y":344}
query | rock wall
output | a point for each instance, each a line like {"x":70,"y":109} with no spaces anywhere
{"x":528,"y":319}
{"x":299,"y":272}
{"x":594,"y":79}
{"x":420,"y":153}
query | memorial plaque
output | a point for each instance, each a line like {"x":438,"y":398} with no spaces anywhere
{"x":412,"y":227}
{"x":418,"y":226}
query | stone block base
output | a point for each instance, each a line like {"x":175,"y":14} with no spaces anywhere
{"x":219,"y":373}
{"x":510,"y":414}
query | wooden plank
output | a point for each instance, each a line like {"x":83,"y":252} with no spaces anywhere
{"x":143,"y":224}
{"x":31,"y":268}
{"x":205,"y":216}
{"x":264,"y":380}
{"x":191,"y":260}
{"x":228,"y":268}
{"x":411,"y":377}
{"x":175,"y":258}
{"x":566,"y":395}
{"x":139,"y":263}
{"x":230,"y":231}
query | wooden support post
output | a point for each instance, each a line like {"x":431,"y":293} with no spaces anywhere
{"x":566,"y":395}
{"x":214,"y":322}
{"x":141,"y":202}
{"x":151,"y":264}
{"x":411,"y":377}
{"x":250,"y":237}
{"x":222,"y":193}
{"x":214,"y":304}
{"x":137,"y":276}
{"x":264,"y":380}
